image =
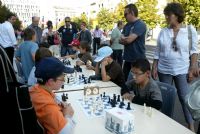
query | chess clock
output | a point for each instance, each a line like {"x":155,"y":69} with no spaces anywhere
{"x":91,"y":90}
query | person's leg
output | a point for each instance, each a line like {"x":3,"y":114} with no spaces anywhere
{"x":198,"y":132}
{"x":182,"y":90}
{"x":63,"y":50}
{"x":94,"y":46}
{"x":119,"y":57}
{"x":10,"y":53}
{"x":70,"y":50}
{"x":114,"y":55}
{"x":126,"y":69}
{"x":165,"y":78}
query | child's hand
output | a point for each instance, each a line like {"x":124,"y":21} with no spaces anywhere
{"x":104,"y":62}
{"x":79,"y":63}
{"x":128,"y":96}
{"x":67,"y":110}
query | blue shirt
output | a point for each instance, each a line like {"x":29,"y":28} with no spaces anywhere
{"x":25,"y":51}
{"x":135,"y":49}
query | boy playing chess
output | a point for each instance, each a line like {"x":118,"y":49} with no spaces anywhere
{"x":142,"y":88}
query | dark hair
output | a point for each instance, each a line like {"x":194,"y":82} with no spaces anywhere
{"x":9,"y":15}
{"x":49,"y":24}
{"x":28,"y":34}
{"x":44,"y":44}
{"x":119,"y":23}
{"x":41,"y":53}
{"x":67,"y":18}
{"x":85,"y":45}
{"x":132,"y":9}
{"x":83,"y":23}
{"x":176,"y":9}
{"x":142,"y":64}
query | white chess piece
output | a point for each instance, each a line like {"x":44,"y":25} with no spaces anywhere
{"x":145,"y":108}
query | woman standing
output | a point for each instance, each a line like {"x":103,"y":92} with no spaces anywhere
{"x":174,"y":57}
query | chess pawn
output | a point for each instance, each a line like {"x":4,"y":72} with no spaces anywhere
{"x":150,"y":111}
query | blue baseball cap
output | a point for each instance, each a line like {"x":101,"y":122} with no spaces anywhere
{"x":102,"y":53}
{"x":51,"y":67}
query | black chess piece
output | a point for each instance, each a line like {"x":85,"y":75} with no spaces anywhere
{"x":121,"y":105}
{"x":118,"y":98}
{"x":80,"y":70}
{"x":109,"y":99}
{"x":104,"y":94}
{"x":67,"y":80}
{"x":101,"y":95}
{"x":114,"y":98}
{"x":85,"y":82}
{"x":79,"y":77}
{"x":64,"y":97}
{"x":129,"y":106}
{"x":83,"y":76}
{"x":89,"y":80}
{"x":112,"y":102}
{"x":122,"y":102}
{"x":62,"y":86}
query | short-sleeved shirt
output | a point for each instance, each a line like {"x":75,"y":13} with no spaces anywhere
{"x":135,"y":49}
{"x":48,"y":112}
{"x":67,"y":34}
{"x":151,"y":90}
{"x":85,"y":57}
{"x":25,"y":51}
{"x":115,"y":36}
{"x":114,"y":71}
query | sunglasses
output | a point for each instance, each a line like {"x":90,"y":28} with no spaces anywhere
{"x":174,"y":44}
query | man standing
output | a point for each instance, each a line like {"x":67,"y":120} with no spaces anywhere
{"x":133,"y":38}
{"x":97,"y":34}
{"x":38,"y":30}
{"x":85,"y":34}
{"x":68,"y":32}
{"x":7,"y":35}
{"x":115,"y":45}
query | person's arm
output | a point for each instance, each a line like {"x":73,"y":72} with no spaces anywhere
{"x":97,"y":68}
{"x":33,"y":51}
{"x":11,"y":34}
{"x":157,"y":104}
{"x":104,"y":75}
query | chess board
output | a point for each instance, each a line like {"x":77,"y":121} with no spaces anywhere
{"x":95,"y":106}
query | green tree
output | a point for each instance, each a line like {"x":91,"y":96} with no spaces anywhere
{"x":82,"y":18}
{"x":148,"y":12}
{"x":192,"y":11}
{"x":105,"y":19}
{"x":4,"y":11}
{"x":119,"y":11}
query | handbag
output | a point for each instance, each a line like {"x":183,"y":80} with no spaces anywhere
{"x":15,"y":99}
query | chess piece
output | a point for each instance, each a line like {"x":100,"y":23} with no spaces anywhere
{"x":118,"y":98}
{"x":62,"y":86}
{"x":85,"y":82}
{"x":104,"y":94}
{"x":145,"y":108}
{"x":109,"y":99}
{"x":114,"y":98}
{"x":64,"y":97}
{"x":129,"y":106}
{"x":67,"y":80}
{"x":113,"y":104}
{"x":89,"y":80}
{"x":83,"y":76}
{"x":122,"y":103}
{"x":80,"y":70}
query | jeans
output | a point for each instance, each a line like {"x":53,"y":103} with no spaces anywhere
{"x":66,"y":50}
{"x":182,"y":87}
{"x":117,"y":56}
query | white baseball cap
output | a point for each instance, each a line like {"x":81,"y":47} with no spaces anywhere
{"x":102,"y":53}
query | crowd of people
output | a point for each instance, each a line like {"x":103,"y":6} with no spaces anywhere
{"x":122,"y":61}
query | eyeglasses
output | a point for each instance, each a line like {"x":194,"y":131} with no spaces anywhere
{"x":174,"y":45}
{"x":136,"y":74}
{"x":63,"y":80}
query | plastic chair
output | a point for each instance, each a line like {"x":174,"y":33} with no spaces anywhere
{"x":168,"y":96}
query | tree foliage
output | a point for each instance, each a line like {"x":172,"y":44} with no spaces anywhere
{"x":192,"y":11}
{"x":148,"y":12}
{"x":4,"y":11}
{"x":119,"y":11}
{"x":105,"y":19}
{"x":82,"y":18}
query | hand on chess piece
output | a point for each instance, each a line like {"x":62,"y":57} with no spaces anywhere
{"x":67,"y":110}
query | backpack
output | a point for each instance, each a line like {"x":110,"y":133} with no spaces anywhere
{"x":192,"y":99}
{"x":15,"y":99}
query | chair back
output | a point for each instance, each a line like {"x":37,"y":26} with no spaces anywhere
{"x":168,"y":96}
